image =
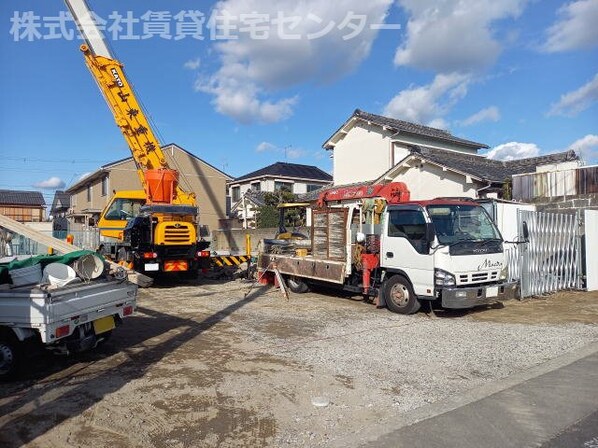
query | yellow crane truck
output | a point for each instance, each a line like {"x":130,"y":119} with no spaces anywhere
{"x":155,"y":229}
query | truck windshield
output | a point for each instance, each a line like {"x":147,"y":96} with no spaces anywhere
{"x":456,"y":223}
{"x":124,"y":209}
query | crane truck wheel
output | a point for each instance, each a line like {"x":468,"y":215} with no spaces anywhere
{"x":297,"y":285}
{"x":399,"y":295}
{"x":10,"y":356}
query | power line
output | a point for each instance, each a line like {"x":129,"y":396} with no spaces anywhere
{"x":35,"y":159}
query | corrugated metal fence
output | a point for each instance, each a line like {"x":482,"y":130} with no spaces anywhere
{"x":550,"y":259}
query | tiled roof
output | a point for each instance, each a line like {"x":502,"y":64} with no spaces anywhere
{"x":284,"y":169}
{"x":489,"y":169}
{"x":412,"y":128}
{"x":257,"y":197}
{"x":17,"y":197}
{"x":522,"y":166}
{"x":61,"y":200}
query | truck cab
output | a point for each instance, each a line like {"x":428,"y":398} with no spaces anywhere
{"x":443,"y":250}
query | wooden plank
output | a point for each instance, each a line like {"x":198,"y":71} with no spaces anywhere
{"x":61,"y":246}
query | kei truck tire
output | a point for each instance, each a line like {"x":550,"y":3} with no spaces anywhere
{"x":399,"y":295}
{"x":10,"y":355}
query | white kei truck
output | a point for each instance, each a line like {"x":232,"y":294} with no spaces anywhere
{"x":67,"y":319}
{"x":373,"y":240}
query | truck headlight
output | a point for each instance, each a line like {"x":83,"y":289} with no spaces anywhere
{"x":504,"y":273}
{"x":443,"y":278}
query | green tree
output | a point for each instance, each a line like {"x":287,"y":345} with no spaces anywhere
{"x":268,"y":214}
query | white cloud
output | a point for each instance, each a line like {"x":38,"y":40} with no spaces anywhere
{"x":575,"y":29}
{"x":453,"y":35}
{"x":289,"y":151}
{"x":577,"y":101}
{"x":428,"y":104}
{"x":192,"y":64}
{"x":53,"y":183}
{"x":252,"y":69}
{"x":265,"y":146}
{"x":513,"y":151}
{"x":488,"y":114}
{"x":294,"y":153}
{"x":586,"y":147}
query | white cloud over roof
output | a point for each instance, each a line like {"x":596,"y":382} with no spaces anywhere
{"x":52,"y":183}
{"x":429,"y":103}
{"x":252,"y":70}
{"x":453,"y":35}
{"x":488,"y":114}
{"x":575,"y":28}
{"x":513,"y":151}
{"x":576,"y":101}
{"x":586,"y":147}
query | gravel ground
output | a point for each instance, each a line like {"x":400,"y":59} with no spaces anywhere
{"x":200,"y":365}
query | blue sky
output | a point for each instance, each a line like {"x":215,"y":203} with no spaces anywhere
{"x":518,"y":75}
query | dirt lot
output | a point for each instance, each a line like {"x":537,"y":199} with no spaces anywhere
{"x":201,"y":365}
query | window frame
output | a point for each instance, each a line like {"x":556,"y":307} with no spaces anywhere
{"x":417,"y":243}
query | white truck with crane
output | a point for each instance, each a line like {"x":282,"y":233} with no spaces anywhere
{"x":373,"y":240}
{"x":154,"y":229}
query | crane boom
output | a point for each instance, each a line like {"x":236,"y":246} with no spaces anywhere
{"x":128,"y":113}
{"x":87,"y":27}
{"x":154,"y":230}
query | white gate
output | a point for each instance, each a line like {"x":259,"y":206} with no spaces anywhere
{"x":550,"y":257}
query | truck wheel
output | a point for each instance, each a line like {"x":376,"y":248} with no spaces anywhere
{"x":399,"y":296}
{"x":10,"y":356}
{"x":297,"y":285}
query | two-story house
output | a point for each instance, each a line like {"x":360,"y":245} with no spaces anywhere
{"x":91,"y":194}
{"x":432,"y":162}
{"x":247,"y":192}
{"x":23,"y":206}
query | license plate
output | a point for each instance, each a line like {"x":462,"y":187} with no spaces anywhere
{"x":152,"y":266}
{"x":492,"y":291}
{"x":104,"y":324}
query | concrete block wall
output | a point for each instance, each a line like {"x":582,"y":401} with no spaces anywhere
{"x":567,"y":204}
{"x":233,"y":241}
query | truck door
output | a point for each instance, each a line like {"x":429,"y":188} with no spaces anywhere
{"x":404,"y":247}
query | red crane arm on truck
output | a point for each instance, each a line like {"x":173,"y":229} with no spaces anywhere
{"x":393,"y":193}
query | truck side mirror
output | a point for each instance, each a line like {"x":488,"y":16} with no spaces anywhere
{"x":430,"y":233}
{"x":525,"y":232}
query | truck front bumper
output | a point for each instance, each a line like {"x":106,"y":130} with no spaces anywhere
{"x":459,"y":298}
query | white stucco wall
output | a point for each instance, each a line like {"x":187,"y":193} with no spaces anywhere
{"x":368,"y":150}
{"x":570,"y":165}
{"x":429,"y":181}
{"x":362,"y":155}
{"x":299,"y":187}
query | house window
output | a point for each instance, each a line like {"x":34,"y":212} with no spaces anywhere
{"x":283,"y":185}
{"x":256,"y":186}
{"x":88,"y":192}
{"x":312,"y":187}
{"x":236,"y":193}
{"x":104,"y":186}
